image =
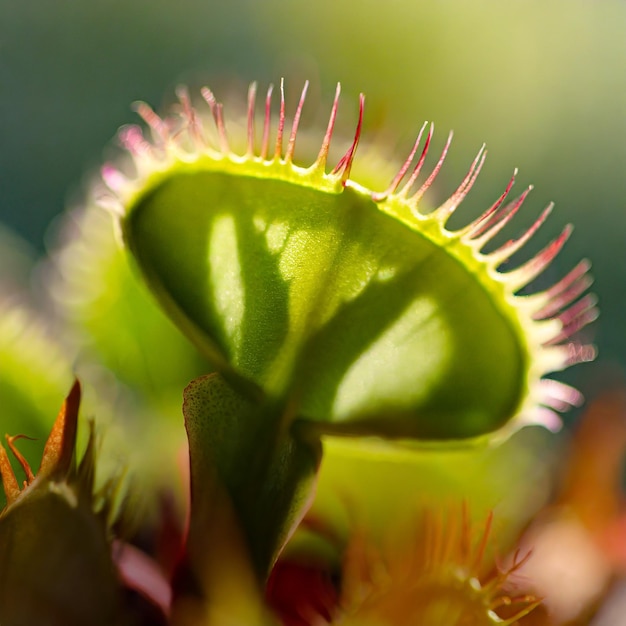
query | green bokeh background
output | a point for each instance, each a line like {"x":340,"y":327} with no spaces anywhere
{"x":543,"y":83}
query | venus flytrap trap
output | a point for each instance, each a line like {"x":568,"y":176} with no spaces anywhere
{"x":325,"y":309}
{"x":298,"y":284}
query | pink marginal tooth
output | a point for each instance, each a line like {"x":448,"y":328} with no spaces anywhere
{"x":547,"y":418}
{"x":560,"y":391}
{"x":556,"y":404}
{"x":563,"y":298}
{"x":420,"y":162}
{"x":580,"y":309}
{"x":296,"y":121}
{"x":580,"y":353}
{"x":267,"y":120}
{"x":377,"y":197}
{"x":565,"y":283}
{"x":251,"y":108}
{"x":532,"y":268}
{"x":470,"y":177}
{"x":218,"y":118}
{"x":450,"y":205}
{"x":500,"y":219}
{"x":153,"y":120}
{"x":190,"y":115}
{"x":222,"y":129}
{"x":281,"y":121}
{"x":511,"y":247}
{"x":578,"y":324}
{"x":208,"y":96}
{"x":479,"y":225}
{"x":570,"y":328}
{"x":559,"y":396}
{"x":429,"y":181}
{"x":323,"y":153}
{"x":133,"y":140}
{"x":113,"y":178}
{"x":345,"y":163}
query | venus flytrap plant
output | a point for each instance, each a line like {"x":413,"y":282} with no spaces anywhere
{"x":326,"y":309}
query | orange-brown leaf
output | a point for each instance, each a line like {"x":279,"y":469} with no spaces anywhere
{"x":58,"y":452}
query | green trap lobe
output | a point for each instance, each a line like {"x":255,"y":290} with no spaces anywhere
{"x":372,"y":326}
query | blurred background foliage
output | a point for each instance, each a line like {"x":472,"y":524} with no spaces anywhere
{"x":542,"y":83}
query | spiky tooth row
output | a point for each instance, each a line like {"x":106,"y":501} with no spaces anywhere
{"x":181,"y":136}
{"x":550,"y":318}
{"x":549,"y":305}
{"x":448,"y":555}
